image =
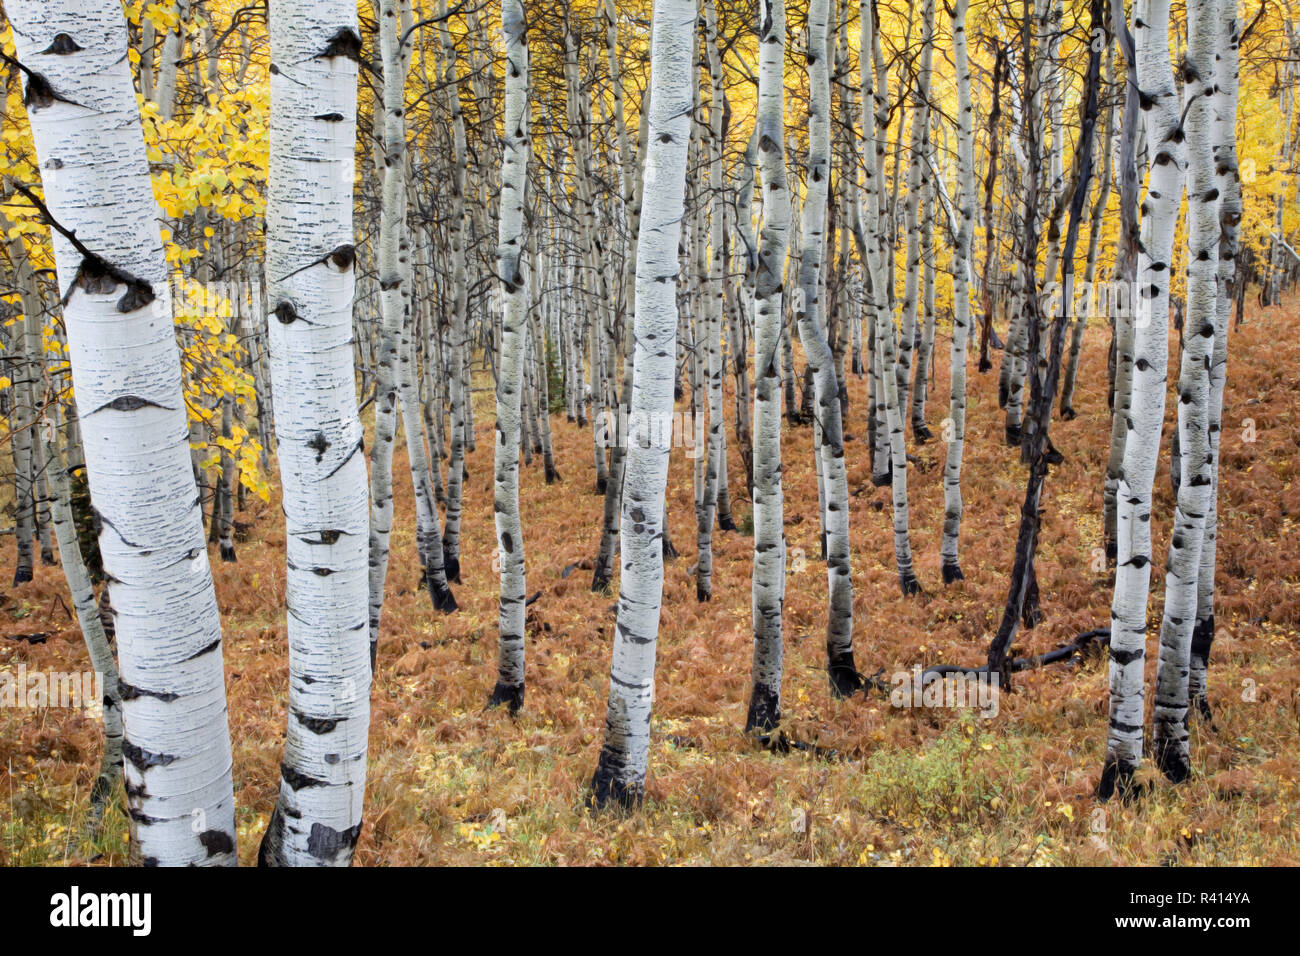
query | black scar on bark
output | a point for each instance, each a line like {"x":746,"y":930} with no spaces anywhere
{"x":317,"y":725}
{"x":144,"y":759}
{"x":1013,"y":436}
{"x":63,"y":45}
{"x":952,"y":572}
{"x":510,"y":695}
{"x":345,"y":43}
{"x":344,"y":256}
{"x":325,"y":843}
{"x":217,"y":842}
{"x":285,"y":312}
{"x":451,"y":567}
{"x":296,"y":780}
{"x":319,"y":444}
{"x":40,"y":93}
{"x":131,"y":692}
{"x":128,"y":403}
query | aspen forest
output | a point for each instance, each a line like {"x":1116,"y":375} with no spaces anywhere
{"x":649,"y":432}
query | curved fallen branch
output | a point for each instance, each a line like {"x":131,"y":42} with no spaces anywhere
{"x":1063,"y":653}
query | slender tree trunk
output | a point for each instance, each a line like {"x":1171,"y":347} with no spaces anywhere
{"x":1163,"y":122}
{"x":620,"y":774}
{"x":844,"y":677}
{"x":769,"y":268}
{"x":92,"y":626}
{"x":1125,"y":275}
{"x":1170,"y":743}
{"x":310,"y":261}
{"x":955,"y":428}
{"x":1230,"y":282}
{"x":509,"y":688}
{"x":126,"y":370}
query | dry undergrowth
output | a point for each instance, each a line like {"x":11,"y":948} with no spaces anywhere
{"x":452,"y":784}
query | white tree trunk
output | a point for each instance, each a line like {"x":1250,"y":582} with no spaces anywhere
{"x":1228,"y":181}
{"x":769,"y":528}
{"x":457,"y":384}
{"x":509,"y":688}
{"x":1170,"y":735}
{"x":835,"y":519}
{"x":92,"y":625}
{"x":311,"y":279}
{"x":620,"y":775}
{"x":127,"y":375}
{"x":955,"y":427}
{"x":1151,"y":357}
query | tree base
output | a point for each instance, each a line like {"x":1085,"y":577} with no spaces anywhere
{"x":552,"y":476}
{"x":1068,"y":414}
{"x":601,"y":581}
{"x":727,"y":523}
{"x":451,"y":568}
{"x":921,"y":432}
{"x":511,"y":696}
{"x":600,"y":485}
{"x":1202,"y":709}
{"x":764,"y":713}
{"x":1013,"y":436}
{"x":883,"y":480}
{"x":1118,"y":779}
{"x":607,"y":791}
{"x":844,"y":677}
{"x":1172,"y":760}
{"x":22,"y":576}
{"x":227,"y":553}
{"x":703,"y":592}
{"x":908,"y":583}
{"x":443,"y":600}
{"x":269,"y":851}
{"x":47,"y":559}
{"x":951,"y":573}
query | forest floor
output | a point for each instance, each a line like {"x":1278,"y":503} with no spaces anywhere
{"x":451,"y":783}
